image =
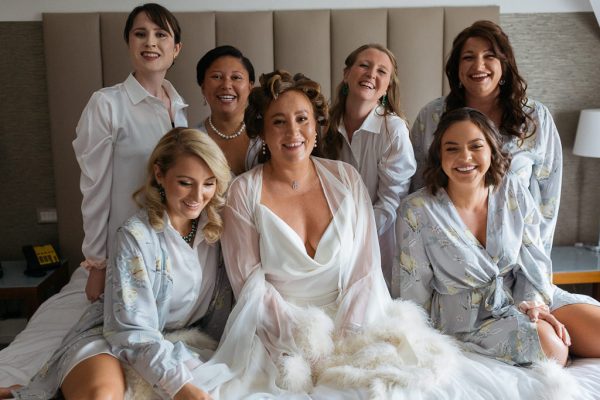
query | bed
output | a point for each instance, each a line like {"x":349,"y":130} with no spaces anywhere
{"x":85,"y":51}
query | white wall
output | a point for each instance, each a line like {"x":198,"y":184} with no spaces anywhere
{"x":31,"y":10}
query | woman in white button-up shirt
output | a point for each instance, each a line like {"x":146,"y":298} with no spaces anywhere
{"x":117,"y":131}
{"x":368,"y":132}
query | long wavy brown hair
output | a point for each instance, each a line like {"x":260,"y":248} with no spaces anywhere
{"x":333,"y":140}
{"x":436,"y":178}
{"x":273,"y":85}
{"x":513,"y":100}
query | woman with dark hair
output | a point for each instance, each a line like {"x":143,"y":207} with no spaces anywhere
{"x":367,"y":131}
{"x":226,"y":77}
{"x":161,"y":277}
{"x":116,"y":133}
{"x":483,"y":74}
{"x":471,"y":253}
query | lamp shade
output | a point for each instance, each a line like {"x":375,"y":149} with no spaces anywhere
{"x":587,"y":140}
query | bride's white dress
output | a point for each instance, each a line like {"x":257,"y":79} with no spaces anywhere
{"x":326,"y":327}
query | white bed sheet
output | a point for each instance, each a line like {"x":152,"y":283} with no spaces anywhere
{"x":44,"y":332}
{"x":32,"y":347}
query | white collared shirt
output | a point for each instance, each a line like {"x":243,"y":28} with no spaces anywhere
{"x":383,"y":155}
{"x":116,"y":133}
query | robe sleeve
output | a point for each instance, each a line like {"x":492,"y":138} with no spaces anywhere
{"x":532,"y":274}
{"x":394,"y":171}
{"x":364,"y":294}
{"x":547,"y":175}
{"x":137,"y":280}
{"x":272,"y":315}
{"x":415,"y":270}
{"x":94,"y":152}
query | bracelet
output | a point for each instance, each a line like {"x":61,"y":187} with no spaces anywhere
{"x":89,"y":264}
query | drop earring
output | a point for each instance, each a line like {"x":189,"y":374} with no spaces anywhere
{"x":264,"y":149}
{"x":162,"y":194}
{"x":345,"y":89}
{"x":383,"y":100}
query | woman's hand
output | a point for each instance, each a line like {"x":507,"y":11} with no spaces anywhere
{"x":533,"y":309}
{"x":191,"y":392}
{"x":95,"y":284}
{"x":5,"y":392}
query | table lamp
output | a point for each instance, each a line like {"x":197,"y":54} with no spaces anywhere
{"x":587,"y":142}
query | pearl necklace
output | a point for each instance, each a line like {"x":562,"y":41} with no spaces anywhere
{"x":190,"y":236}
{"x":222,"y":135}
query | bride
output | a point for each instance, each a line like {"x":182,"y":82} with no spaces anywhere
{"x":313,"y":317}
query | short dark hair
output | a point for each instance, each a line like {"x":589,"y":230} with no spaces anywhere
{"x":157,"y":14}
{"x":436,"y":178}
{"x":222,"y":51}
{"x":273,"y":85}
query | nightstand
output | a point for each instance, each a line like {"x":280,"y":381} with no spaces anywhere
{"x":14,"y":284}
{"x":572,"y":264}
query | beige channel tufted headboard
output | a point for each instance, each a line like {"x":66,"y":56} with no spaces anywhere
{"x":85,"y":52}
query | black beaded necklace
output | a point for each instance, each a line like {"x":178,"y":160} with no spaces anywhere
{"x":190,"y":236}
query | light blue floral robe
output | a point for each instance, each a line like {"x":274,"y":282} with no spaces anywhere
{"x":134,"y":313}
{"x":472,"y":291}
{"x":537,"y":160}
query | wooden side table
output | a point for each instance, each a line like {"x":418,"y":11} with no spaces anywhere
{"x":572,"y":264}
{"x":32,"y":290}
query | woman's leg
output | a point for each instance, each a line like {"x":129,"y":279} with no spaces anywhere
{"x":96,"y":378}
{"x":583,"y":323}
{"x":552,"y":345}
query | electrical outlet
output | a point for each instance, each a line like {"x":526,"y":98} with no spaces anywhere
{"x":46,"y":216}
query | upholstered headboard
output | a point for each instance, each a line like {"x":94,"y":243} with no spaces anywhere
{"x":85,"y":52}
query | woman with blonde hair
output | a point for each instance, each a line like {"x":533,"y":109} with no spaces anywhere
{"x":368,"y":131}
{"x":161,"y":278}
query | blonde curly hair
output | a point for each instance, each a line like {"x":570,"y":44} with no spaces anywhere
{"x":178,"y":142}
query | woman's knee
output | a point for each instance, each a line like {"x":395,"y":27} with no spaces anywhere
{"x":552,"y":345}
{"x":98,"y":378}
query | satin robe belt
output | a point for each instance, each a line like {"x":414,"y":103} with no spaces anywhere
{"x":312,"y":300}
{"x":497,"y":300}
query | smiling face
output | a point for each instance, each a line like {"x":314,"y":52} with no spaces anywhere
{"x":479,"y":69}
{"x":465,"y":154}
{"x":369,"y":77}
{"x":151,"y":48}
{"x":189,"y":186}
{"x":226,"y":86}
{"x":290,"y":127}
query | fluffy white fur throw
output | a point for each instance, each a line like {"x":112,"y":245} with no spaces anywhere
{"x":559,"y":383}
{"x":401,"y":351}
{"x":138,"y":388}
